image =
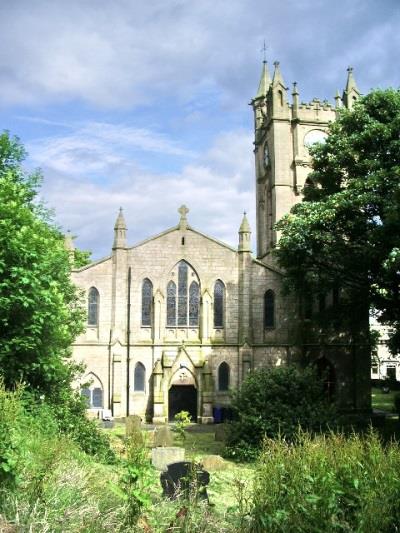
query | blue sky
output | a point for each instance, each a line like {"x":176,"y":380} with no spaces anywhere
{"x":144,"y":104}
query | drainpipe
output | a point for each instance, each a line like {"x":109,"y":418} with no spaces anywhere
{"x":128,"y":340}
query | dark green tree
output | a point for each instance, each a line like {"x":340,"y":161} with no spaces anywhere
{"x":39,"y":306}
{"x":346,"y":232}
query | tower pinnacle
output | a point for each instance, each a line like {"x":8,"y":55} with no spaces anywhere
{"x":265,"y":82}
{"x":120,"y":231}
{"x":244,"y":235}
{"x":351,"y":92}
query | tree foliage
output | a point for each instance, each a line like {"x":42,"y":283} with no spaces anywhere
{"x":39,"y":306}
{"x":275,"y":402}
{"x":346,"y":232}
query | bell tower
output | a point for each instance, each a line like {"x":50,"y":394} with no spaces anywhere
{"x":283,"y":133}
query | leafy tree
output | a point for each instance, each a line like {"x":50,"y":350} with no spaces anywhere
{"x":275,"y":402}
{"x":346,"y":232}
{"x":39,"y":306}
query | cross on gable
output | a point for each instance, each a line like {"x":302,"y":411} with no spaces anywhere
{"x":183,"y":211}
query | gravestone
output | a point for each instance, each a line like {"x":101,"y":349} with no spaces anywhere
{"x":161,"y":457}
{"x":133,"y":424}
{"x":133,"y":431}
{"x":212,"y":463}
{"x":221,"y":431}
{"x":184,"y":479}
{"x":163,"y":437}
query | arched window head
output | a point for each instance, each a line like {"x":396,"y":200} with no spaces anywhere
{"x":139,"y":382}
{"x":147,"y":302}
{"x":171,"y":304}
{"x":269,"y":309}
{"x":93,"y":307}
{"x":219,"y":298}
{"x":93,"y":392}
{"x":183,"y":302}
{"x":223,"y":376}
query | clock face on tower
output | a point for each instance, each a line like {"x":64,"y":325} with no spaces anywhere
{"x":314,"y":136}
{"x":266,"y":155}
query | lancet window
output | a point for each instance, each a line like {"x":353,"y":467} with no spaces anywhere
{"x":93,"y":307}
{"x":147,"y":302}
{"x":219,"y":297}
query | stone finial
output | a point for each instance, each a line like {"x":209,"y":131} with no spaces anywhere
{"x":277,"y":77}
{"x":120,"y":231}
{"x":183,"y":211}
{"x":244,"y":235}
{"x":338,"y":99}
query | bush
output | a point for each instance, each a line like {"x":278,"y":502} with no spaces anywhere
{"x":275,"y":402}
{"x":327,"y":483}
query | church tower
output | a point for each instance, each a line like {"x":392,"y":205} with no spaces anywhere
{"x":284,"y":131}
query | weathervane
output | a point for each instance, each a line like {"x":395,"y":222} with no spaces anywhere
{"x":264,"y":51}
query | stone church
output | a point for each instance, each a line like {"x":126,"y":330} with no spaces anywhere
{"x":177,"y":321}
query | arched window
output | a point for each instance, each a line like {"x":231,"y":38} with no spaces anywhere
{"x":280,"y":95}
{"x":147,"y":301}
{"x":93,"y":393}
{"x":171,"y":304}
{"x":219,"y":296}
{"x":223,"y":376}
{"x":269,"y":309}
{"x":183,"y":308}
{"x":93,"y":307}
{"x":139,"y":378}
{"x":194,"y":299}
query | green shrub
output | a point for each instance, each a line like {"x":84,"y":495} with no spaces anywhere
{"x":182,"y":421}
{"x":327,"y":483}
{"x":274,"y":402}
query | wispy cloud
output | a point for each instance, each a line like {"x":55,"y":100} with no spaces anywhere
{"x":217,"y":189}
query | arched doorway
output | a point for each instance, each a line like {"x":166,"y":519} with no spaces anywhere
{"x":182,"y":398}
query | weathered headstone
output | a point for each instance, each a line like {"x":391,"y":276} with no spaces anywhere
{"x":163,"y":437}
{"x":221,"y":431}
{"x":213,"y":463}
{"x":133,"y":431}
{"x":162,"y":457}
{"x":184,"y":479}
{"x":133,"y":423}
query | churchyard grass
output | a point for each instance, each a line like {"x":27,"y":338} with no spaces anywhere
{"x":383,"y":401}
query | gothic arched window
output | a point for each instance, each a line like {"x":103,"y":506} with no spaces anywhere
{"x":139,"y":381}
{"x":183,"y":302}
{"x":269,"y":309}
{"x":223,"y":376}
{"x":219,"y":296}
{"x":93,"y":307}
{"x":194,"y":299}
{"x":171,"y":304}
{"x":147,"y":301}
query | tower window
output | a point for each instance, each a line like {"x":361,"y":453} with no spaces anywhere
{"x":147,"y":301}
{"x":219,"y":297}
{"x":223,"y":376}
{"x":183,"y":308}
{"x":93,"y":307}
{"x":183,"y":241}
{"x":139,"y":381}
{"x":269,"y":309}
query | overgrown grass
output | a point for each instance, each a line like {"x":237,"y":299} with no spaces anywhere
{"x":327,"y":483}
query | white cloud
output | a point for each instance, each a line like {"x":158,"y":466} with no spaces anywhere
{"x":216,"y":190}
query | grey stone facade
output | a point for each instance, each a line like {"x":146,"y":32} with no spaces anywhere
{"x":147,"y":365}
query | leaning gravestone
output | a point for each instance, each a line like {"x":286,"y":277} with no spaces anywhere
{"x":163,"y":437}
{"x":184,"y":479}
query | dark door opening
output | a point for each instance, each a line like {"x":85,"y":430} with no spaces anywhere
{"x":327,"y":373}
{"x":182,"y":398}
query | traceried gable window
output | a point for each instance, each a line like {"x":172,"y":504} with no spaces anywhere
{"x":93,"y":393}
{"x":219,"y":297}
{"x":93,"y":307}
{"x":269,"y":309}
{"x":147,"y":301}
{"x":183,"y":301}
